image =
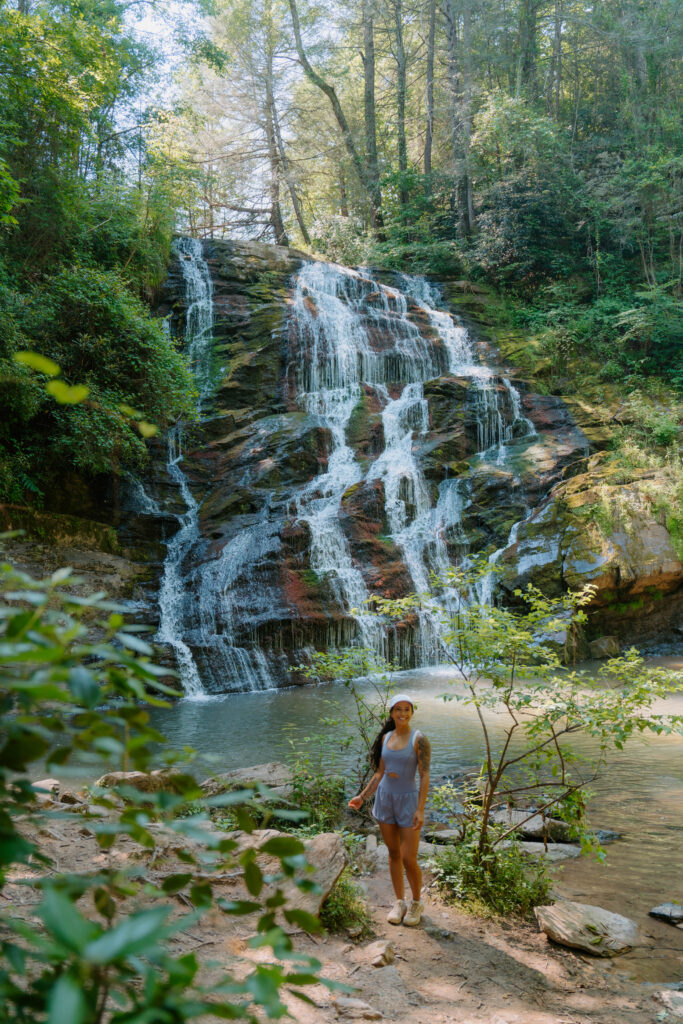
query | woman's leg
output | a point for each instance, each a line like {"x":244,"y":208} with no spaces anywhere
{"x":391,"y":834}
{"x":409,"y":843}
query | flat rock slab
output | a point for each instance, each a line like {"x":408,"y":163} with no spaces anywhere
{"x":274,"y":774}
{"x":670,"y":912}
{"x":553,"y":852}
{"x":591,"y":929}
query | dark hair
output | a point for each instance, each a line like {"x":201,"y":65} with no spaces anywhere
{"x":376,"y":748}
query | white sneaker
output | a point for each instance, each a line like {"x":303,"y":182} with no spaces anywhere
{"x":413,"y":914}
{"x":397,"y":912}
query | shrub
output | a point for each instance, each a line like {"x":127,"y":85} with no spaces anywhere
{"x":345,"y":908}
{"x":504,"y":880}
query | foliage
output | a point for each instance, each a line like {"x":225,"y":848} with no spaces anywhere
{"x":501,"y":880}
{"x":316,"y":790}
{"x":339,"y":238}
{"x":509,"y":672}
{"x":370,"y":707}
{"x":345,"y":908}
{"x":106,"y":343}
{"x":85,"y":951}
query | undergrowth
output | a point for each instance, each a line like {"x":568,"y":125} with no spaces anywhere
{"x":503,"y":881}
{"x":345,"y":908}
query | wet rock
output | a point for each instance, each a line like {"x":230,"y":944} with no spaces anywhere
{"x":591,"y":929}
{"x":604,"y":647}
{"x":670,"y":912}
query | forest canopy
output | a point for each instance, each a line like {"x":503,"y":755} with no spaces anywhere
{"x":533,"y":145}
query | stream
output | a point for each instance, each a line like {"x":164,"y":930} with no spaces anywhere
{"x":639,"y":795}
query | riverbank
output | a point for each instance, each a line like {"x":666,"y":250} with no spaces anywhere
{"x":454,"y":969}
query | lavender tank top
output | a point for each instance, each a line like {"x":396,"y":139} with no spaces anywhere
{"x":402,"y":764}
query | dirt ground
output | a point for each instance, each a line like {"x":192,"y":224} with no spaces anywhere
{"x":454,"y":969}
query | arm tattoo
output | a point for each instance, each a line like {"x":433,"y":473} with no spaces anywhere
{"x":424,"y":753}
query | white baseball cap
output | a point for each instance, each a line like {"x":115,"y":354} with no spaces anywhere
{"x":398,"y":697}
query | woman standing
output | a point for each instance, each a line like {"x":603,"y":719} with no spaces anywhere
{"x":397,"y":753}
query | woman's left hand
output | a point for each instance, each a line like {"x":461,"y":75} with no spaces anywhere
{"x":418,"y":819}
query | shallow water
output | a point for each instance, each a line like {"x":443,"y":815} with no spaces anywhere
{"x":639,"y":795}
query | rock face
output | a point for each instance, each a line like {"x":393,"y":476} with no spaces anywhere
{"x":355,"y":438}
{"x":591,"y":929}
{"x":351,"y":446}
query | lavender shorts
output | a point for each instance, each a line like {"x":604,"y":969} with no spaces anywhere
{"x":395,"y":808}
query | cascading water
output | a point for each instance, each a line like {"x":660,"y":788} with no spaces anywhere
{"x":350,"y":337}
{"x":198,"y":327}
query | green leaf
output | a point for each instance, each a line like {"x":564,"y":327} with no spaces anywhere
{"x":253,"y":878}
{"x":64,"y":922}
{"x":134,"y":643}
{"x":147,"y":429}
{"x":67,"y":394}
{"x":238,"y":907}
{"x":174,"y":883}
{"x":282,"y":846}
{"x":37,"y":362}
{"x":84,"y":687}
{"x":139,"y":933}
{"x":66,"y":1004}
{"x":308,"y":922}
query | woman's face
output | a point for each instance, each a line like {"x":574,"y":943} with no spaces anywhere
{"x":402,"y":712}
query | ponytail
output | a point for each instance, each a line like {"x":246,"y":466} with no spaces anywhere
{"x":376,"y":748}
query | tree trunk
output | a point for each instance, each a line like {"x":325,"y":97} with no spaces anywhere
{"x":343,"y":198}
{"x":458,"y":108}
{"x":528,"y":71}
{"x":467,"y":110}
{"x":401,"y":103}
{"x":273,"y":158}
{"x":287,"y":174}
{"x":429,"y":99}
{"x":368,"y":57}
{"x":331,"y":94}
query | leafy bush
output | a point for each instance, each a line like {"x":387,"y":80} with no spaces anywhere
{"x":103,"y":338}
{"x":84,"y":952}
{"x":345,"y":908}
{"x":503,"y":880}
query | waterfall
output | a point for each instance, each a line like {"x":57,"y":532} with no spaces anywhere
{"x":172,"y":593}
{"x":223,"y":607}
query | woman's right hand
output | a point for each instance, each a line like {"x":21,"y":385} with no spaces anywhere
{"x":356,"y":802}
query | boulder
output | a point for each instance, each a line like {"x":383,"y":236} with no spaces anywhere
{"x":591,"y":929}
{"x":46,"y":790}
{"x":552,"y":851}
{"x":327,"y":856}
{"x":604,"y":647}
{"x":275,"y":775}
{"x":673,"y":1001}
{"x":531,"y":826}
{"x":670,"y":912}
{"x":158,"y":781}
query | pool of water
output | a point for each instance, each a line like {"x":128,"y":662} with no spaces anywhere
{"x":639,"y":794}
